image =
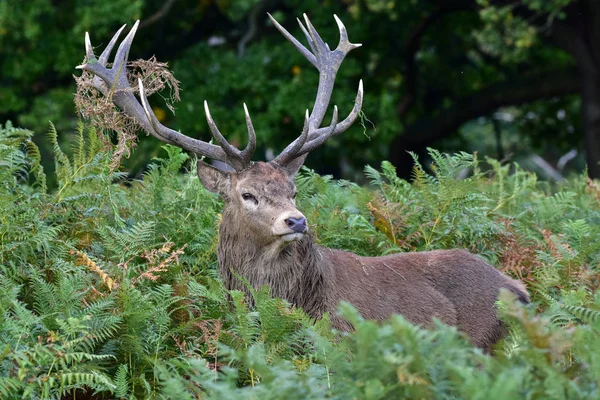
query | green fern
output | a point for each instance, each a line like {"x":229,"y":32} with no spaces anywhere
{"x":121,"y":381}
{"x":130,"y":241}
{"x":181,"y":334}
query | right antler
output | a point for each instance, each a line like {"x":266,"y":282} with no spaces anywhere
{"x":327,"y":63}
{"x":114,"y":83}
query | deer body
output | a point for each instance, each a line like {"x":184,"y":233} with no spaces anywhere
{"x":264,"y":238}
{"x":454,"y":286}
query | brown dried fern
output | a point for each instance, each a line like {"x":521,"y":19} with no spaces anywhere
{"x":84,"y":259}
{"x":158,"y":264}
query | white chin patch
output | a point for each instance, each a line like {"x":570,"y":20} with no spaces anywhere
{"x":290,"y":237}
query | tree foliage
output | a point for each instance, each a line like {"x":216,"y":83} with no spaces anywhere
{"x":108,"y":285}
{"x":429,"y":68}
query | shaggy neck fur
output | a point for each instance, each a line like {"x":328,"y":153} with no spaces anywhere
{"x":296,"y":272}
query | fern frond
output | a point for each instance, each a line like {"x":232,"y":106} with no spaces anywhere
{"x":78,"y":147}
{"x":62,"y":163}
{"x":10,"y":388}
{"x":121,"y":381}
{"x":129,"y":241}
{"x":33,"y":154}
{"x":586,"y":315}
{"x":374,"y":176}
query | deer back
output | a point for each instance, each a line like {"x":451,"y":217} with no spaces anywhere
{"x":454,"y":286}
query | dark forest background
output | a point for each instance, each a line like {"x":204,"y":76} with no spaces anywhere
{"x":515,"y":80}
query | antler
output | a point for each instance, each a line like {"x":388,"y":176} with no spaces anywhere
{"x":327,"y":63}
{"x":113,"y":82}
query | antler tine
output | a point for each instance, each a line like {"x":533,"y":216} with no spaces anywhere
{"x":147,"y":108}
{"x":251,"y":146}
{"x":239,"y":160}
{"x":344,"y":44}
{"x":309,"y":56}
{"x":327,"y":63}
{"x":291,"y":151}
{"x":317,"y":44}
{"x":123,"y":50}
{"x":106,"y":53}
{"x":307,"y":36}
{"x":89,"y":50}
{"x":113,"y":81}
{"x":319,"y":140}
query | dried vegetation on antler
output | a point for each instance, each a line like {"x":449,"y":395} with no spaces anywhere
{"x":100,"y":110}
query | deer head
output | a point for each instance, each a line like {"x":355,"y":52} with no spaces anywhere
{"x":259,"y":197}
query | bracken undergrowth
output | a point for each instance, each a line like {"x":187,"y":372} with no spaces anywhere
{"x":108,"y":285}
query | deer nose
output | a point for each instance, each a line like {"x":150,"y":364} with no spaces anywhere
{"x":296,"y":224}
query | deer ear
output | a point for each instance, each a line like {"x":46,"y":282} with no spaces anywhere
{"x":213,"y":179}
{"x":294,"y":166}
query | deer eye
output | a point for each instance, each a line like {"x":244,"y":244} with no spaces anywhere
{"x":248,"y":196}
{"x":294,"y":196}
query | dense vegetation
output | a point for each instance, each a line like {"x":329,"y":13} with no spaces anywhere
{"x":108,"y":285}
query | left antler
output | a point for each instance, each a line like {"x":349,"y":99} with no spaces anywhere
{"x":113,"y":82}
{"x":327,"y":63}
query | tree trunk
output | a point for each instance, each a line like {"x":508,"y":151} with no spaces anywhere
{"x":590,"y":107}
{"x":579,"y":35}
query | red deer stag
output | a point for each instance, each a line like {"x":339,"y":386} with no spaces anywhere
{"x":265,"y":239}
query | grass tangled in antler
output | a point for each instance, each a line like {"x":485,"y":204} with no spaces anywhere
{"x":98,"y":108}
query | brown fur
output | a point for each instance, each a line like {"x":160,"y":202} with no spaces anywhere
{"x":454,"y":286}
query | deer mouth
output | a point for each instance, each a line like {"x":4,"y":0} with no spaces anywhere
{"x":291,"y":237}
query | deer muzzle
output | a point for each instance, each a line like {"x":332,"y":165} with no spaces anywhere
{"x":298,"y":225}
{"x":290,"y":226}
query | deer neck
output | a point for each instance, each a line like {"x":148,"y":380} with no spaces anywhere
{"x":297,"y":272}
